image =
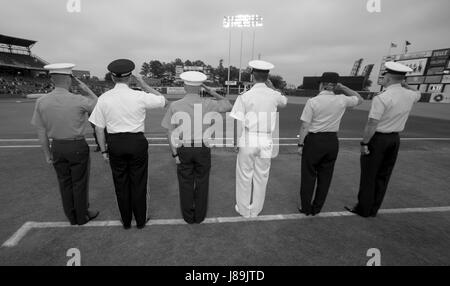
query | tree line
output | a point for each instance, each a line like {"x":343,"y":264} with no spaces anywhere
{"x":219,"y":75}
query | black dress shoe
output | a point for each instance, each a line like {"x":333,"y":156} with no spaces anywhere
{"x":93,"y":214}
{"x":305,"y":213}
{"x":127,"y":226}
{"x":352,"y":210}
{"x":142,"y":226}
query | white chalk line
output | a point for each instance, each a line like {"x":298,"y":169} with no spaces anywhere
{"x":231,"y":139}
{"x":26,"y":227}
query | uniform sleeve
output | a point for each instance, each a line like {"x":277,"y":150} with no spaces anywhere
{"x":418,"y":95}
{"x":350,"y":101}
{"x":377,"y":109}
{"x":166,"y":121}
{"x":238,"y":111}
{"x":97,"y":117}
{"x":37,"y":118}
{"x":217,"y":105}
{"x":87,"y":104}
{"x":308,"y":112}
{"x":281,"y":99}
{"x":152,"y":101}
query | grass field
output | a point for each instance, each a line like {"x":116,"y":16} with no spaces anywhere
{"x":411,"y":230}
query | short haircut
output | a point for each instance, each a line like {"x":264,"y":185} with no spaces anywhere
{"x":59,"y":79}
{"x":121,"y":79}
{"x":261,"y":76}
{"x":396,"y":76}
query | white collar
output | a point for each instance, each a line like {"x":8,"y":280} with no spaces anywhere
{"x":121,"y":85}
{"x":259,"y":85}
{"x":326,"y":92}
{"x":396,"y":85}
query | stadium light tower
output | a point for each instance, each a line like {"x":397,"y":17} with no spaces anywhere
{"x":240,"y":21}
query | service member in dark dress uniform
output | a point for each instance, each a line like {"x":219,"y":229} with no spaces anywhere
{"x":190,"y":151}
{"x":318,"y":143}
{"x":62,"y":117}
{"x":379,"y":148}
{"x":122,"y":111}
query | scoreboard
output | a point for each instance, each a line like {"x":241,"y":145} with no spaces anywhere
{"x":431,"y":71}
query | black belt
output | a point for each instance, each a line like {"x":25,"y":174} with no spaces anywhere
{"x":69,"y":139}
{"x":323,"y":133}
{"x":193,"y":144}
{"x":391,"y":133}
{"x":125,"y":134}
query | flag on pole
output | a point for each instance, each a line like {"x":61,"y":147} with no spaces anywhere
{"x":407,"y":43}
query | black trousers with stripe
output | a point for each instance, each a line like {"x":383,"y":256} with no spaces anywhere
{"x":376,"y":170}
{"x":128,"y":158}
{"x":71,"y":163}
{"x":193,"y":180}
{"x":319,"y":156}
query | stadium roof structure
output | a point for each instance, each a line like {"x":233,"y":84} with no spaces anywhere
{"x":8,"y":40}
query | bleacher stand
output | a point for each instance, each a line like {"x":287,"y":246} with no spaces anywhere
{"x":22,"y":73}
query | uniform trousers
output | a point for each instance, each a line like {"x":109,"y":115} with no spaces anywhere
{"x":71,"y":163}
{"x":193,"y":179}
{"x":128,"y":157}
{"x":319,"y":156}
{"x":376,"y":171}
{"x":252,"y":170}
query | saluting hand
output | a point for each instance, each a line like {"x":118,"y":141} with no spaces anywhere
{"x":206,"y":87}
{"x":138,"y":79}
{"x":82,"y":85}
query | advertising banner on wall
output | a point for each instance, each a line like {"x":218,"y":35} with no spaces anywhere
{"x":433,"y":79}
{"x":438,"y":62}
{"x":435,"y":71}
{"x":418,"y":66}
{"x":446,"y":79}
{"x":441,"y":53}
{"x":435,"y":87}
{"x":415,"y":79}
{"x":440,"y":98}
{"x":414,"y":55}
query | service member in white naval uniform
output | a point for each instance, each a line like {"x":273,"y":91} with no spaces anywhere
{"x":122,"y":111}
{"x":379,"y":148}
{"x":256,"y":111}
{"x":318,"y":143}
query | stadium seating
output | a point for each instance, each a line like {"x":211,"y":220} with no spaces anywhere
{"x":20,"y":60}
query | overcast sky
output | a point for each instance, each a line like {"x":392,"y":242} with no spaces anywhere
{"x":301,"y":37}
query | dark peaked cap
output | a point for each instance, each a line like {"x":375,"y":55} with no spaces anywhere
{"x":330,"y":77}
{"x":121,"y":68}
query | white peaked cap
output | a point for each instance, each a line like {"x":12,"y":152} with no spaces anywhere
{"x":60,"y":68}
{"x":397,"y":67}
{"x":261,"y":65}
{"x":193,"y":78}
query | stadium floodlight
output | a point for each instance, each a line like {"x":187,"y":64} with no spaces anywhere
{"x":241,"y":21}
